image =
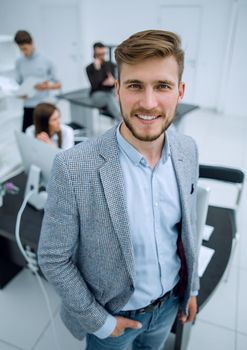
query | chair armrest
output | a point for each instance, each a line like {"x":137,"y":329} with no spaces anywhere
{"x":220,"y":173}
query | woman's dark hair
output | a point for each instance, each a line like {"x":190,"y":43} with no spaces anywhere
{"x":41,"y":117}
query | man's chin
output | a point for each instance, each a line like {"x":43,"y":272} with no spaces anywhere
{"x":146,"y":137}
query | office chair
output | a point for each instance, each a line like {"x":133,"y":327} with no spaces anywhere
{"x":231,"y":176}
{"x":201,"y":211}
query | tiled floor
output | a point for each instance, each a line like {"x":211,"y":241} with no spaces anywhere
{"x":221,"y":325}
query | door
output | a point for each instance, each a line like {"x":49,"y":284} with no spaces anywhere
{"x":185,"y":21}
{"x":61,"y":42}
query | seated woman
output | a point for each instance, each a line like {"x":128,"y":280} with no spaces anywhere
{"x":48,"y":128}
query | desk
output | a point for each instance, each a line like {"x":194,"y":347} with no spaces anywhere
{"x":83,"y":111}
{"x":11,"y":261}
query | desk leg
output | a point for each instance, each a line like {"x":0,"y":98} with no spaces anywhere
{"x":8,"y":270}
{"x":182,"y":336}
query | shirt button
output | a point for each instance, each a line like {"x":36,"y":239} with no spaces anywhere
{"x":156,"y":204}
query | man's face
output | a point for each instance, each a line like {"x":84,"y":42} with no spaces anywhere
{"x":26,"y":49}
{"x":99,"y":53}
{"x":148,"y":94}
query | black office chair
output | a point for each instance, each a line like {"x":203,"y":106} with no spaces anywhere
{"x":231,"y":176}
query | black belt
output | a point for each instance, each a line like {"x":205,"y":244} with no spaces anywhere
{"x":156,"y":303}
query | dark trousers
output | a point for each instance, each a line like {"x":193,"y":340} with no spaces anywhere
{"x":27,"y":118}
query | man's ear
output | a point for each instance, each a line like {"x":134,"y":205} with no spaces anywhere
{"x":181,"y":90}
{"x":117,"y":89}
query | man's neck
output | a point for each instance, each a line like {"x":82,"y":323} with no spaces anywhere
{"x":151,"y":150}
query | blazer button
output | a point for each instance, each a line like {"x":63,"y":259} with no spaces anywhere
{"x":132,"y":288}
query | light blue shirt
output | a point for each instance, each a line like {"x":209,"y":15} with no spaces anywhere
{"x":154,"y":212}
{"x":35,"y":66}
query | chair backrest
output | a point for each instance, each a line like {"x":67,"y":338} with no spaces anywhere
{"x":223,"y":174}
{"x":202,"y":210}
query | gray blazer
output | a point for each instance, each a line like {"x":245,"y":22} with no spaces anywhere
{"x":85,"y":249}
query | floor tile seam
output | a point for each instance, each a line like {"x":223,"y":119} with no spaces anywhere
{"x":241,"y":333}
{"x":236,"y":309}
{"x":10,"y":344}
{"x":46,"y":327}
{"x":217,"y":325}
{"x":40,"y":336}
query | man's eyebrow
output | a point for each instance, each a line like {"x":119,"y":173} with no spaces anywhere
{"x":136,"y":81}
{"x":168,"y":82}
{"x":132,"y":81}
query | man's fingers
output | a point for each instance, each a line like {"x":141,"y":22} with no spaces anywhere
{"x":191,"y":312}
{"x":122,"y":324}
{"x":132,"y":324}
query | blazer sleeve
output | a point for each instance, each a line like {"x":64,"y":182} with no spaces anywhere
{"x":58,"y":239}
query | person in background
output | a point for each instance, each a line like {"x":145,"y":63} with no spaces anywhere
{"x":101,"y":74}
{"x":118,"y":239}
{"x":48,"y":128}
{"x":34,"y":65}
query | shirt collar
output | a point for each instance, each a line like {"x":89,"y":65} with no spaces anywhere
{"x":33,"y":55}
{"x":135,"y":156}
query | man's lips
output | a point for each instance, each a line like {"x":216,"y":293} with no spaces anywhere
{"x":146,"y":117}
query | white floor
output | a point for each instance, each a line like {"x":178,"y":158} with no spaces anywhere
{"x":222,"y":324}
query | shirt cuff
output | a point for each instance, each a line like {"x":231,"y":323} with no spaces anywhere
{"x":107,"y":328}
{"x":194,"y":293}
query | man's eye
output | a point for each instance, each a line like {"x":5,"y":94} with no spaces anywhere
{"x":134,"y":86}
{"x":163,"y":86}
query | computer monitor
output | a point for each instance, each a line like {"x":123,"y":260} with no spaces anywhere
{"x":37,"y":158}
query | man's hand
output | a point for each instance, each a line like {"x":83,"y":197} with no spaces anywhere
{"x":42,"y":86}
{"x":109,"y":81}
{"x":122,"y":324}
{"x":97,"y":63}
{"x":192,"y":311}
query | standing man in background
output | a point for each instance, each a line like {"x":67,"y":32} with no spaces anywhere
{"x":119,"y":240}
{"x":35,"y":67}
{"x":101,"y":75}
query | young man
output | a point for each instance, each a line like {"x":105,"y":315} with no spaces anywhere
{"x":101,"y":74}
{"x":32,"y":65}
{"x":118,"y":239}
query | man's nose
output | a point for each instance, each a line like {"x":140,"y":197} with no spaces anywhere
{"x":148,"y":99}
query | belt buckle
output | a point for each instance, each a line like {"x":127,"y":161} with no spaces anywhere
{"x":160,"y":302}
{"x":142,"y":311}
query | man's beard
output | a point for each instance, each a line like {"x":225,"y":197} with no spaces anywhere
{"x":147,"y":138}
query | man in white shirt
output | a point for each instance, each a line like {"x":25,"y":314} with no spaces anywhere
{"x":119,"y":240}
{"x":35,"y":67}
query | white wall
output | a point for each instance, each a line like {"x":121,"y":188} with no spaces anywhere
{"x":112,"y":21}
{"x":234,"y":91}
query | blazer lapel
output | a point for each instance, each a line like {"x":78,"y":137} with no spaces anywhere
{"x":113,"y":183}
{"x":181,"y":167}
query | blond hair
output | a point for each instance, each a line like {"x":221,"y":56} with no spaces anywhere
{"x":150,"y":44}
